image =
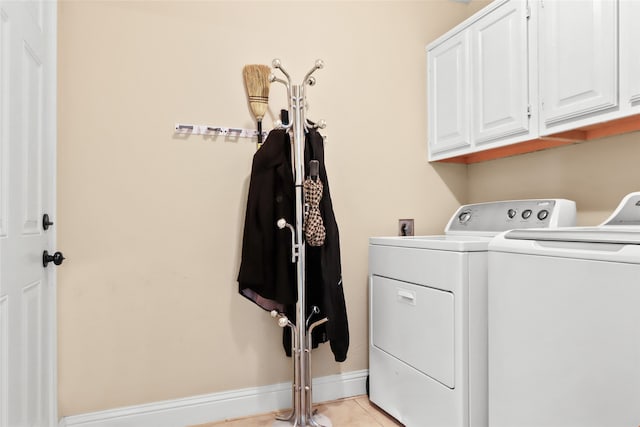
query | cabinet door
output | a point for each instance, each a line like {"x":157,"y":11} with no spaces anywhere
{"x":630,"y":55}
{"x":578,"y":60}
{"x":500,"y":73}
{"x":448,"y":94}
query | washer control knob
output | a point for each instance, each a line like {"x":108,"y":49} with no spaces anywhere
{"x":511,"y":213}
{"x":464,"y":216}
{"x":543,"y":214}
{"x":526,"y":213}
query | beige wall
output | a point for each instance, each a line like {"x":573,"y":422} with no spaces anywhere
{"x":595,"y":174}
{"x":151,"y":223}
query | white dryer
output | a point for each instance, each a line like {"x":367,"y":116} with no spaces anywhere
{"x":564,"y":324}
{"x":428,"y":313}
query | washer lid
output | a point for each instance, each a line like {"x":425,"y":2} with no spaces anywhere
{"x":585,"y":243}
{"x":603,"y":234}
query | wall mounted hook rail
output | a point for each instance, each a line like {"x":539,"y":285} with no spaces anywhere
{"x":193,"y":129}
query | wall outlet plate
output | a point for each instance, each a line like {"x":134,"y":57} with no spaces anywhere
{"x":405,"y":227}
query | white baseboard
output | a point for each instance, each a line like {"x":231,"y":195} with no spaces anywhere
{"x":219,"y":406}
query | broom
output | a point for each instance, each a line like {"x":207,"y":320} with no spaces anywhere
{"x":256,"y":80}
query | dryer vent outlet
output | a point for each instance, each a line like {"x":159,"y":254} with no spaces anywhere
{"x":405,"y":227}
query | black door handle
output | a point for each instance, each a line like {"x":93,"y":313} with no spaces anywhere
{"x":56,"y":258}
{"x":46,"y":222}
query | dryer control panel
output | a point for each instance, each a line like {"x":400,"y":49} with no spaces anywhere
{"x":495,"y":217}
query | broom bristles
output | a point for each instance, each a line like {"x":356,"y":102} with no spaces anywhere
{"x":256,"y":79}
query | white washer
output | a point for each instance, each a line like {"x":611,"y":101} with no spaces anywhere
{"x":564,"y":324}
{"x":428,"y":313}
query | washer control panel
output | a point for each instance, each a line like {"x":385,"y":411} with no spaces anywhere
{"x":627,"y":213}
{"x":495,"y":217}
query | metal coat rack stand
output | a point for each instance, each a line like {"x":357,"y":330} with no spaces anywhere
{"x":302,"y":413}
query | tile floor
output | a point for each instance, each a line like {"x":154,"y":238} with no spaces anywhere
{"x":353,"y":412}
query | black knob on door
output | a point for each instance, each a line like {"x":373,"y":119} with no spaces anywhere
{"x":46,"y":222}
{"x":56,"y":258}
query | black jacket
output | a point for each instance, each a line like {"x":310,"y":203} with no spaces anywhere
{"x":267,"y":275}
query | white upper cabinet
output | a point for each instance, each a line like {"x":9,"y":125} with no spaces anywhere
{"x":578,"y":62}
{"x":448,"y":94}
{"x":478,"y":82}
{"x":630,"y":56}
{"x":524,"y":75}
{"x":500,"y":74}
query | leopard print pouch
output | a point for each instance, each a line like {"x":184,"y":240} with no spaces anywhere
{"x":314,"y":231}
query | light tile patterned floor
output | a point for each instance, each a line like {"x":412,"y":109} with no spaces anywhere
{"x":352,"y":412}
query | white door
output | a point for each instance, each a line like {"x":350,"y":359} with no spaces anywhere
{"x":578,"y":60}
{"x":27,"y":191}
{"x":500,"y":74}
{"x":448,"y":96}
{"x":629,"y":57}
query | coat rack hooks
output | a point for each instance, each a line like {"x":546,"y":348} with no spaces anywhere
{"x":302,"y":413}
{"x":193,"y":129}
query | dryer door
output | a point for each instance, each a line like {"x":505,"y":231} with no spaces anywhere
{"x":416,"y":325}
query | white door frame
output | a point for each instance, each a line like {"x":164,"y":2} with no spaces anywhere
{"x":51,"y":150}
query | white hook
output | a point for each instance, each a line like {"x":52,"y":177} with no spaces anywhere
{"x":282,"y":319}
